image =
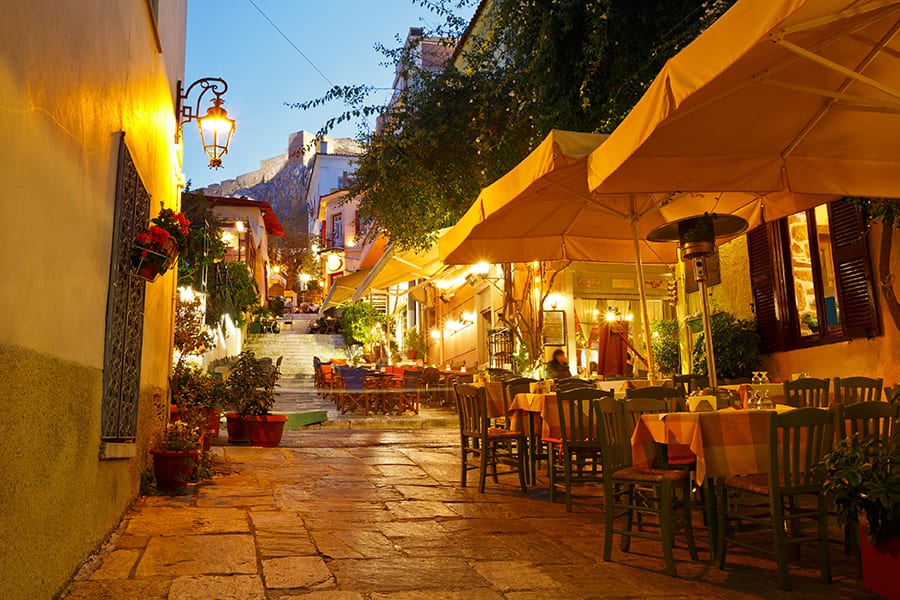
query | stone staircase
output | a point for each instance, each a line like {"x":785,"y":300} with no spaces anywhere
{"x":296,"y":346}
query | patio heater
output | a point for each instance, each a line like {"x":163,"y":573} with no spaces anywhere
{"x":696,"y":237}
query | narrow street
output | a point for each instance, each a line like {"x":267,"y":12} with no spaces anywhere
{"x":350,"y":511}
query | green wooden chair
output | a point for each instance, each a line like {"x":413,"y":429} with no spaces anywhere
{"x":798,"y":441}
{"x":577,"y":457}
{"x":483,"y":446}
{"x":667,"y":509}
{"x":849,"y":390}
{"x":807,"y":392}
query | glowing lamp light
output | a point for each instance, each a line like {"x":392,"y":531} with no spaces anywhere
{"x":610,"y":316}
{"x":435,"y":334}
{"x":215,"y":127}
{"x":481,"y":268}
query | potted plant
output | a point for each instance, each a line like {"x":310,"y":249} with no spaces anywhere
{"x":863,"y":480}
{"x":413,"y":343}
{"x":198,"y":398}
{"x":177,"y":456}
{"x":155,"y":249}
{"x":251,"y":388}
{"x":736,"y":343}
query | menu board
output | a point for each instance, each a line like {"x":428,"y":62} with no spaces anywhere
{"x":554,"y":328}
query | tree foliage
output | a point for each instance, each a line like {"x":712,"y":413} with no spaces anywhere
{"x":203,"y":246}
{"x":568,"y":64}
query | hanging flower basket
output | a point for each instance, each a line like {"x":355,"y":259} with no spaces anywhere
{"x":155,"y":249}
{"x":150,"y":264}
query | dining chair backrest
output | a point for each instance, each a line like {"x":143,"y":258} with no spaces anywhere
{"x":635,"y":408}
{"x":471,"y":404}
{"x":690,"y":382}
{"x":614,"y":435}
{"x":673,"y":397}
{"x":352,"y":377}
{"x":869,"y":418}
{"x":849,"y":390}
{"x":411,"y":378}
{"x":570,"y":383}
{"x":517,"y":385}
{"x":798,"y":441}
{"x":578,"y":417}
{"x":807,"y":392}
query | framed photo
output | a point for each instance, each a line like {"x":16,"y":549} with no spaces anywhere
{"x":554,"y":331}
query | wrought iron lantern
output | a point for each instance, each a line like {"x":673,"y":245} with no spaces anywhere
{"x":215,"y":127}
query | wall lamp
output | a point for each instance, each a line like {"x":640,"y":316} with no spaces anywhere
{"x":215,"y":127}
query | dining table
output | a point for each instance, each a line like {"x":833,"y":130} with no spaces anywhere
{"x":731,"y":441}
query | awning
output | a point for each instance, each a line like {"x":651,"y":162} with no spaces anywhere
{"x":394,"y":268}
{"x":342,"y":289}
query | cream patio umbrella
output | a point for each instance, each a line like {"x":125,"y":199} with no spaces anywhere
{"x":542,"y":210}
{"x":787,"y":99}
{"x":800,"y":95}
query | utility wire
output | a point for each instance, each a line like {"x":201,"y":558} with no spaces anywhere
{"x":293,"y":45}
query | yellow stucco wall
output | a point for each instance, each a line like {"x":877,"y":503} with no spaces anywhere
{"x":873,"y":358}
{"x":72,"y":75}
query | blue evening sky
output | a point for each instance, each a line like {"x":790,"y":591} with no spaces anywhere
{"x":232,"y":40}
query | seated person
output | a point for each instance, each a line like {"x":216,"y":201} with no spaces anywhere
{"x":558,"y":367}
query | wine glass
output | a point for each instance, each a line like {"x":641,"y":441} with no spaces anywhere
{"x":763,"y":377}
{"x":757,"y":377}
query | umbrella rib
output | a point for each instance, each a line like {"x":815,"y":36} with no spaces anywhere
{"x":851,"y":100}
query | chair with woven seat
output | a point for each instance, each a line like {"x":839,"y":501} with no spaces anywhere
{"x":789,"y":494}
{"x":807,"y":392}
{"x":483,"y":446}
{"x":673,"y":396}
{"x":690,"y":382}
{"x":668,"y":507}
{"x":849,"y":390}
{"x":868,"y":420}
{"x":577,"y":459}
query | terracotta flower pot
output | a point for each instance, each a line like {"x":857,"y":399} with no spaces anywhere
{"x":174,"y":468}
{"x":213,"y":421}
{"x":265,"y":430}
{"x":237,"y":429}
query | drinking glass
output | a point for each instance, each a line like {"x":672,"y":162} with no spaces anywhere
{"x":763,"y":377}
{"x":757,"y":376}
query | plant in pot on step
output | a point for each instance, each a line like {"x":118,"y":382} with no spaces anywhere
{"x":251,"y":389}
{"x":863,"y":480}
{"x":413,"y":343}
{"x":176,"y":456}
{"x":198,"y":398}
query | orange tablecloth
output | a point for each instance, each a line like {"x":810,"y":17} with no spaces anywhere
{"x":540,"y":406}
{"x":724,"y":442}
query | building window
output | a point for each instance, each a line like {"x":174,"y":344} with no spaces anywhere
{"x":124,"y":308}
{"x":812,"y":278}
{"x":337,"y":231}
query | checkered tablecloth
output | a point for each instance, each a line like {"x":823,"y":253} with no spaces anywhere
{"x":724,"y":442}
{"x":542,"y":407}
{"x":775,"y":390}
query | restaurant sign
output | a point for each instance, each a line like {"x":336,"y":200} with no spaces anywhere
{"x":618,"y":285}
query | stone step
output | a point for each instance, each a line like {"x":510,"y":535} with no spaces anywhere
{"x":297,"y":350}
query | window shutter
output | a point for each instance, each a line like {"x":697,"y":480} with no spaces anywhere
{"x":853,"y":270}
{"x":764,"y":284}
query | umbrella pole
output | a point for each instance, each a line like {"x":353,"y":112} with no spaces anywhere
{"x":707,"y":332}
{"x":645,"y":321}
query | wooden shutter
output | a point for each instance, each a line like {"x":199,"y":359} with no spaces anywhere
{"x":764,"y":283}
{"x":853,"y":271}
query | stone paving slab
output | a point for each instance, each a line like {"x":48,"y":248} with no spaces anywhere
{"x":366,"y":515}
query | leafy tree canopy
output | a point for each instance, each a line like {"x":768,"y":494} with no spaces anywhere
{"x":568,"y":64}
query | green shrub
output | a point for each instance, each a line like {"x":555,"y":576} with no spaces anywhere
{"x":735,"y":347}
{"x":664,"y":342}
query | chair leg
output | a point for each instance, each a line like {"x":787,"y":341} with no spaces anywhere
{"x":667,"y":533}
{"x":780,"y":541}
{"x":824,"y":557}
{"x":520,"y":457}
{"x":688,"y":525}
{"x":567,"y":475}
{"x":722,"y":498}
{"x":482,"y":472}
{"x":465,"y":457}
{"x":552,"y":476}
{"x":629,"y":518}
{"x":609,"y":495}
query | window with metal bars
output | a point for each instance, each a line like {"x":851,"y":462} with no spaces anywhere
{"x":124,"y":307}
